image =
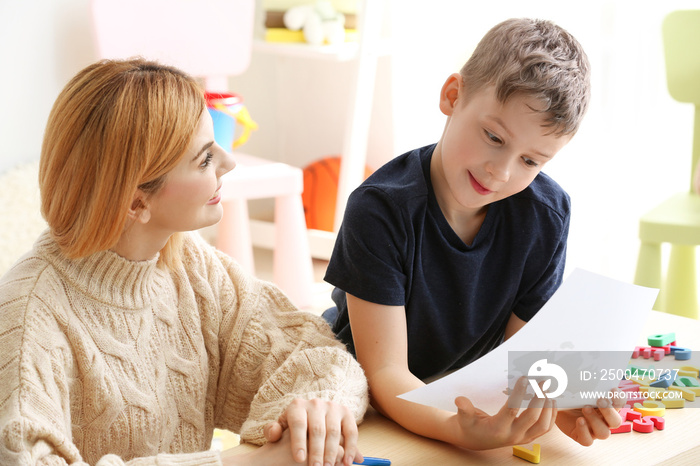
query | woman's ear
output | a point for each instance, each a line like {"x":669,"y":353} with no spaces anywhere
{"x":450,"y":93}
{"x":139,"y":211}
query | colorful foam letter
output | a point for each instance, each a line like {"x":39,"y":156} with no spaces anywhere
{"x":650,"y":408}
{"x":680,"y":353}
{"x":691,"y":371}
{"x":648,"y":423}
{"x":623,"y":429}
{"x":661,"y":339}
{"x":533,"y":456}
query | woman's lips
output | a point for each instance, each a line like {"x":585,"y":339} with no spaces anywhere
{"x":216,"y":198}
{"x":477,"y":186}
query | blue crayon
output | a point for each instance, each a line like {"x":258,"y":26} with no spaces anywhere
{"x":369,"y":461}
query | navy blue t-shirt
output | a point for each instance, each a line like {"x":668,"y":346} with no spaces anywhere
{"x":396,"y":248}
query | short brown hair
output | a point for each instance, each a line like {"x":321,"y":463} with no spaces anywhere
{"x":117,"y":126}
{"x":536,"y":58}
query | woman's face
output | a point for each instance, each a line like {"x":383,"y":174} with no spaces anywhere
{"x":190,"y":198}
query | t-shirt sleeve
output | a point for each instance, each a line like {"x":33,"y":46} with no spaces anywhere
{"x":547,"y":282}
{"x":370,"y":254}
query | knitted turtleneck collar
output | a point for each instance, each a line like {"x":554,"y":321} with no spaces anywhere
{"x":104,"y":276}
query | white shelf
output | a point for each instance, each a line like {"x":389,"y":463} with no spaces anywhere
{"x":364,"y":54}
{"x":341,"y":52}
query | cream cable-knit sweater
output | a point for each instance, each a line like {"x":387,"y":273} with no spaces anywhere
{"x":106,"y":361}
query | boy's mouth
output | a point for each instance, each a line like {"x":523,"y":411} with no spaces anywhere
{"x":478,"y":187}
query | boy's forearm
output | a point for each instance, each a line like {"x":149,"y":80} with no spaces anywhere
{"x":387,"y":384}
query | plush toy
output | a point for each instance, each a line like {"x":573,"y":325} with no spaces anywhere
{"x":320,"y":22}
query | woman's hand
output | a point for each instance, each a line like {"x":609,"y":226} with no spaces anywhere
{"x":587,"y":424}
{"x":479,"y":431}
{"x":320,"y":432}
{"x":272,"y":454}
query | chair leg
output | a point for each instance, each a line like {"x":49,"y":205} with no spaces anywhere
{"x":649,"y":270}
{"x":233,"y":234}
{"x":681,"y":296}
{"x":292,"y":266}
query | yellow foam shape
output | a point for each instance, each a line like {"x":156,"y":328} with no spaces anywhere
{"x":648,"y":389}
{"x":287,"y":35}
{"x":642,"y":381}
{"x":691,"y":371}
{"x":671,"y":403}
{"x":695,"y":390}
{"x":533,"y":456}
{"x":687,"y":394}
{"x":650,"y":408}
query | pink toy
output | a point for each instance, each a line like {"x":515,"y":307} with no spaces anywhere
{"x":643,"y":425}
{"x":622,"y":429}
{"x":628,"y":414}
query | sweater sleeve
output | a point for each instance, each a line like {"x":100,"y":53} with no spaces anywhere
{"x":272,"y":353}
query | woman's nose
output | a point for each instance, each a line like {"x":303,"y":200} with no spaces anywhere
{"x":227,"y":164}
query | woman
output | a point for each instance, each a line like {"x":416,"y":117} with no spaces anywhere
{"x":126,"y":341}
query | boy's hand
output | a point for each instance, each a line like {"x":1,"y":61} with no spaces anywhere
{"x":587,"y":424}
{"x":320,"y":432}
{"x":479,"y":431}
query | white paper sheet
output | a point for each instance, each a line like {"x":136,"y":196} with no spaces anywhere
{"x":588,"y":312}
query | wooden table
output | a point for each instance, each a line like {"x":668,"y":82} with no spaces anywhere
{"x":678,"y":443}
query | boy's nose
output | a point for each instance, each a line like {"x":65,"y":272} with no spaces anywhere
{"x":500,"y":169}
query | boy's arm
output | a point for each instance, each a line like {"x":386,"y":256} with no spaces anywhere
{"x":379,"y":333}
{"x":514,"y":324}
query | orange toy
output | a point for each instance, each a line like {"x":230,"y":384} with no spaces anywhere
{"x":321,"y":191}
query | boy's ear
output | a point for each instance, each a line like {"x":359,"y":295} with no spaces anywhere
{"x":139,"y":210}
{"x":450,"y":93}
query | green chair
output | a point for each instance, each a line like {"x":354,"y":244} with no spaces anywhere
{"x":677,"y":220}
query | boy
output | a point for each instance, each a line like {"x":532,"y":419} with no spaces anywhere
{"x":449,"y":249}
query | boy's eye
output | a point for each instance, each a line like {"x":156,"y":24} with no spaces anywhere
{"x":530,"y":162}
{"x":493,"y":137}
{"x":207,"y":160}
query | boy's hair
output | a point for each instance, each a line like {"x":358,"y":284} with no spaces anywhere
{"x":117,"y":126}
{"x":536,"y":58}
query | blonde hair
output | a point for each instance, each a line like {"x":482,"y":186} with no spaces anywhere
{"x":536,"y":58}
{"x":117,"y":126}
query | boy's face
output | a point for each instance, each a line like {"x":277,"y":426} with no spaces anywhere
{"x":489,"y":150}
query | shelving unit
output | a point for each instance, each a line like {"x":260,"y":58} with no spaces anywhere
{"x":364,"y":54}
{"x":341,"y":52}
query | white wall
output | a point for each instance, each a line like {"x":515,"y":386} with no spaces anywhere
{"x":43,"y":43}
{"x":632,"y":151}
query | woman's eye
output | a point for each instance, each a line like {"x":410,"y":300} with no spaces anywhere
{"x":207,"y":160}
{"x":493,"y":137}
